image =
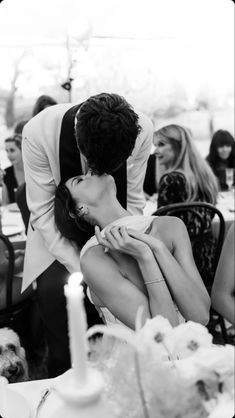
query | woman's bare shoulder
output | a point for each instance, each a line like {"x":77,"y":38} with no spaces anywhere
{"x":166,"y":224}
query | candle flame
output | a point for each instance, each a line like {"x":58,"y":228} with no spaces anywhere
{"x":75,"y":279}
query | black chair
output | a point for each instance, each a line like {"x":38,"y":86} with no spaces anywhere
{"x":9,"y":309}
{"x":19,"y":312}
{"x":195,"y":216}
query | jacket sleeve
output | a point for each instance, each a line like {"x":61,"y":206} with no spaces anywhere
{"x":136,"y":167}
{"x":41,"y":188}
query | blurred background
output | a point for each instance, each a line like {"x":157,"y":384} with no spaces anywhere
{"x":173,"y":60}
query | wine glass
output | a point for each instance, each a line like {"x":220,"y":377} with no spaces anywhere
{"x":229,"y":172}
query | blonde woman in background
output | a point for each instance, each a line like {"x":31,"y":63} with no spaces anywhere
{"x":187,"y":178}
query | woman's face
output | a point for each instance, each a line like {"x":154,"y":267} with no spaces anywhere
{"x":13,"y":152}
{"x":163,"y":151}
{"x":224,"y":151}
{"x":90,"y":188}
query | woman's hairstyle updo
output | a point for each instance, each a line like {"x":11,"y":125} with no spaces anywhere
{"x":69,"y":224}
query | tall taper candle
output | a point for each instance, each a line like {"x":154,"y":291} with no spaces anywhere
{"x":77,"y":327}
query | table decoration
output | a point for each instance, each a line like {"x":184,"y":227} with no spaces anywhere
{"x":78,"y":392}
{"x":140,"y":383}
{"x":12,"y":404}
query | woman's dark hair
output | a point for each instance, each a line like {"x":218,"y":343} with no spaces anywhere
{"x":220,"y":138}
{"x":43,"y":102}
{"x":66,"y":218}
{"x":19,"y":126}
{"x":16,"y":138}
{"x":106,"y":131}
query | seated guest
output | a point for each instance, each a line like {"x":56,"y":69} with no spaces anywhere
{"x":223,"y":291}
{"x":42,"y":103}
{"x":221,"y":155}
{"x":187,"y":178}
{"x":135,"y":260}
{"x":151,"y":177}
{"x":14,"y":174}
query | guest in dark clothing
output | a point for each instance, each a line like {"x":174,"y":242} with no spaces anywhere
{"x":150,"y":181}
{"x":14,"y":174}
{"x":187,"y":178}
{"x":221,"y":155}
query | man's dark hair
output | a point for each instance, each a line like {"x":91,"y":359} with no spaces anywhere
{"x":106,"y":131}
{"x":66,"y":218}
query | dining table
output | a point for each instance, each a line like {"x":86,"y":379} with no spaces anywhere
{"x":13,"y":225}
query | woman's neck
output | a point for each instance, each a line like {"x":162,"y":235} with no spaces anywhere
{"x":109,"y":213}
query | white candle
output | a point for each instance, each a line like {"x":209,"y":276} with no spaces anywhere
{"x":77,"y":327}
{"x":3,"y":397}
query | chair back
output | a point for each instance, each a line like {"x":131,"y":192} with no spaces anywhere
{"x":7,"y":275}
{"x":197,"y":217}
{"x":9,"y":307}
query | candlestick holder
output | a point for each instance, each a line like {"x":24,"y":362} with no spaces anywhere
{"x":71,"y":400}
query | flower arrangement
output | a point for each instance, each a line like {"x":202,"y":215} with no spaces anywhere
{"x":162,"y":372}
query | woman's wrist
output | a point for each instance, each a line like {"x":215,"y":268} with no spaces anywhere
{"x":146,"y":255}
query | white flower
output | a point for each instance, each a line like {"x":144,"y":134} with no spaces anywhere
{"x":153,"y":337}
{"x":223,"y":409}
{"x":189,"y":337}
{"x":155,"y":329}
{"x":218,"y":360}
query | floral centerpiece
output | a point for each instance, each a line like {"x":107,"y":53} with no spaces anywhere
{"x":162,"y":372}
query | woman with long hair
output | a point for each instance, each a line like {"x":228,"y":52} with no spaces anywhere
{"x":221,"y":155}
{"x":187,"y":178}
{"x":131,"y":261}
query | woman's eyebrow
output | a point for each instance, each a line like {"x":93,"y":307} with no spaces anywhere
{"x":77,"y":179}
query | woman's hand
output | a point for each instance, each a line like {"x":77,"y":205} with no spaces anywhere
{"x":119,"y":239}
{"x":154,"y":243}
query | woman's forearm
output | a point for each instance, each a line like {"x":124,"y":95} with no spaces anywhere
{"x":224,"y":304}
{"x":160,"y":300}
{"x":182,"y":287}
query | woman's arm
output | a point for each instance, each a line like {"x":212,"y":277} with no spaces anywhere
{"x":223,"y":290}
{"x":179,"y":269}
{"x":159,"y":297}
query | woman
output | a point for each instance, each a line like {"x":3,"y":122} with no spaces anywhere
{"x":135,"y":260}
{"x":42,"y":103}
{"x":221,"y":155}
{"x":223,"y":291}
{"x":187,"y":178}
{"x":14,"y":174}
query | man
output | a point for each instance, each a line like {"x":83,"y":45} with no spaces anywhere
{"x":103,"y":134}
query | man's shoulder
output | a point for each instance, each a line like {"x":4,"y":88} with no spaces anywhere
{"x":49,"y":117}
{"x":144,"y":121}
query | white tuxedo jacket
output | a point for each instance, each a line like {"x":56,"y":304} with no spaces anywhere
{"x":40,"y":149}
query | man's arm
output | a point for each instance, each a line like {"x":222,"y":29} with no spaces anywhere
{"x":136,"y":167}
{"x":41,"y":188}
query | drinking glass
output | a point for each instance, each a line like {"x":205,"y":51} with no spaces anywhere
{"x":229,"y":172}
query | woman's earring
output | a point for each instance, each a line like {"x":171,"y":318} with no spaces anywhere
{"x":82,"y":210}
